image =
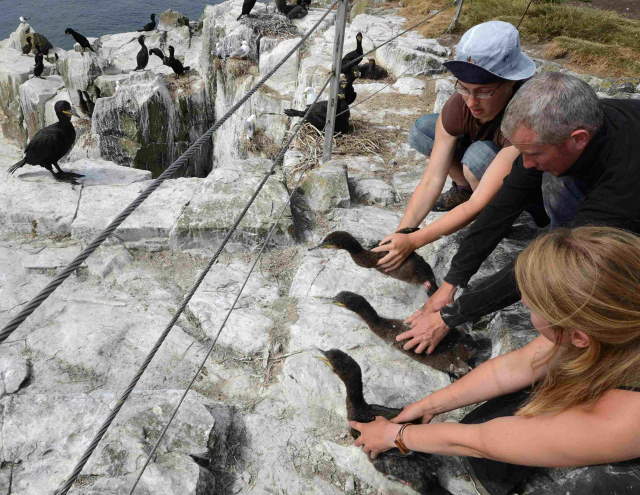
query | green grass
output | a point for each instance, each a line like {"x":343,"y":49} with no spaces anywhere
{"x":591,"y":39}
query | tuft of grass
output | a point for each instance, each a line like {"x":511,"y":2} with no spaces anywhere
{"x":593,"y":39}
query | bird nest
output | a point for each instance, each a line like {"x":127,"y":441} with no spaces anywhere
{"x":260,"y":144}
{"x":234,"y":67}
{"x":273,"y":25}
{"x":363,"y":140}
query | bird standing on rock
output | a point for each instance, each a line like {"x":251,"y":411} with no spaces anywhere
{"x":80,"y":39}
{"x":414,"y":270}
{"x":142,"y":58}
{"x":417,"y":470}
{"x":51,"y":143}
{"x":285,"y":8}
{"x":350,"y":60}
{"x":149,"y":26}
{"x":38,"y":68}
{"x":23,"y":20}
{"x":300,"y":10}
{"x":242,"y":52}
{"x":175,"y":64}
{"x":26,"y":48}
{"x":247,"y":5}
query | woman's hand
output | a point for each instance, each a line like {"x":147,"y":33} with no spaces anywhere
{"x":412,"y":412}
{"x":376,"y":436}
{"x":398,"y":247}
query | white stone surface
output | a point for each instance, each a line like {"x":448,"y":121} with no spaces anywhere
{"x":33,"y":95}
{"x":14,"y":370}
{"x":326,"y":187}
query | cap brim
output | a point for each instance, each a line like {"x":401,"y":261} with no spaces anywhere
{"x":471,"y":73}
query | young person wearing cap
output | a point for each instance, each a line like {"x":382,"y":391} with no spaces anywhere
{"x":581,"y":153}
{"x":465,"y":140}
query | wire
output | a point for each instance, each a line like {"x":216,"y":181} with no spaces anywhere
{"x":277,"y":160}
{"x":168,"y":173}
{"x":524,"y":14}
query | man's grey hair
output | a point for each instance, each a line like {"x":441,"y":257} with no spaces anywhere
{"x":553,"y":105}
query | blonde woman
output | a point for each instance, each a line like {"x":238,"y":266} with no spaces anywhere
{"x":582,"y":287}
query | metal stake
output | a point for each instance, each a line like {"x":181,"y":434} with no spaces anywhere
{"x":341,"y":22}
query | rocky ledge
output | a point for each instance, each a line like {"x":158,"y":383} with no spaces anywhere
{"x":265,"y":416}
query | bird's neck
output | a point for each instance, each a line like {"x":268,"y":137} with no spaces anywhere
{"x":355,"y":397}
{"x":367,"y":313}
{"x":359,"y":45}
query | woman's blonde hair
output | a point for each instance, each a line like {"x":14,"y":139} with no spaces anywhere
{"x":586,"y":279}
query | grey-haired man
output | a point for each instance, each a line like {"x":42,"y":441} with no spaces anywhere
{"x":583,"y":153}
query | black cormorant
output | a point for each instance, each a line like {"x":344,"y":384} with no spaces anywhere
{"x":143,"y":55}
{"x":81,"y":40}
{"x":285,"y":8}
{"x":413,"y":270}
{"x":247,"y":5}
{"x":372,"y":71}
{"x":347,"y":86}
{"x":174,"y":63}
{"x":318,"y":115}
{"x":41,"y":43}
{"x":417,"y":470}
{"x":83,"y":104}
{"x":51,"y":143}
{"x":455,"y":355}
{"x":39,"y":67}
{"x":350,"y":60}
{"x":158,"y":53}
{"x":149,"y":26}
{"x":300,"y":10}
{"x":26,"y":48}
{"x":90,"y":104}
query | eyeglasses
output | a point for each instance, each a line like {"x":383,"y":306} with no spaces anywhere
{"x":481,"y":94}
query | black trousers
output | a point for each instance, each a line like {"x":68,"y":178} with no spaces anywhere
{"x":500,"y":478}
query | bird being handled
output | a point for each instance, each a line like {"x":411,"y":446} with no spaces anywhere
{"x":51,"y":143}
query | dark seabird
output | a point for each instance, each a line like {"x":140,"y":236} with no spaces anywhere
{"x":81,"y":40}
{"x":174,"y":63}
{"x":142,"y":58}
{"x":372,"y":71}
{"x":347,"y":86}
{"x":51,"y":143}
{"x":38,"y":69}
{"x":41,"y":43}
{"x":285,"y":8}
{"x":247,"y":5}
{"x":90,"y":104}
{"x":454,"y":355}
{"x":300,"y":10}
{"x":26,"y":48}
{"x":318,"y":115}
{"x":413,"y":270}
{"x":351,"y":59}
{"x":83,"y":104}
{"x":149,"y":26}
{"x":416,"y":469}
{"x":158,"y":53}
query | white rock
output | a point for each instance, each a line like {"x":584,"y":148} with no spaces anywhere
{"x":108,"y":259}
{"x":444,"y":91}
{"x":51,"y":258}
{"x":326,"y":188}
{"x":409,"y":86}
{"x":14,"y":370}
{"x":285,"y":80}
{"x":33,"y":95}
{"x":372,"y":191}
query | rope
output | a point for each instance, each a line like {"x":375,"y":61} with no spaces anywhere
{"x":428,"y":18}
{"x":277,"y":160}
{"x":524,"y":14}
{"x":64,"y":488}
{"x":168,"y":173}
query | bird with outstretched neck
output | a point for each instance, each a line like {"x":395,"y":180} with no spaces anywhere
{"x":318,"y":114}
{"x":80,"y":39}
{"x":149,"y":26}
{"x":346,"y":83}
{"x":247,"y":5}
{"x":455,"y":355}
{"x":51,"y":143}
{"x":413,"y":270}
{"x":350,"y":60}
{"x":175,"y":64}
{"x":142,"y":58}
{"x":418,"y":470}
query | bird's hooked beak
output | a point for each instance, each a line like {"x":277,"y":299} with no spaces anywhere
{"x":71,"y":112}
{"x":324,"y":359}
{"x":323,"y":246}
{"x":339,"y":303}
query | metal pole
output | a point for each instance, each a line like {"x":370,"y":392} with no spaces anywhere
{"x":341,"y":22}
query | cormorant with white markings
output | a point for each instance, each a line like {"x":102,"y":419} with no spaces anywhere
{"x":142,"y":58}
{"x":81,"y":40}
{"x":149,"y":26}
{"x":51,"y":143}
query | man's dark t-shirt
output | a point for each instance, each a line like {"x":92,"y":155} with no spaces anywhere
{"x":608,"y":169}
